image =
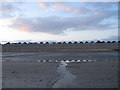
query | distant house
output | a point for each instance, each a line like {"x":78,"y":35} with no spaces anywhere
{"x":19,"y":42}
{"x":108,"y":42}
{"x":75,"y":42}
{"x":53,"y":42}
{"x":69,"y":42}
{"x":64,"y":43}
{"x":86,"y":42}
{"x":59,"y":43}
{"x":81,"y":42}
{"x":92,"y":42}
{"x":98,"y":41}
{"x":47,"y":43}
{"x":24,"y":43}
{"x":41,"y":43}
{"x":8,"y":43}
{"x":113,"y":41}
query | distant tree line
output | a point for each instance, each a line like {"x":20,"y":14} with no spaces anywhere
{"x":92,"y":42}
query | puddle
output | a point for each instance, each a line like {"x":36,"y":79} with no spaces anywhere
{"x":67,"y":79}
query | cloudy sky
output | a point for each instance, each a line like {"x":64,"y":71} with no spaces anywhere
{"x":66,"y":21}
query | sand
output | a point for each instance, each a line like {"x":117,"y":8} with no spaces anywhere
{"x":95,"y":74}
{"x":99,"y":74}
{"x":35,"y":56}
{"x":29,"y":74}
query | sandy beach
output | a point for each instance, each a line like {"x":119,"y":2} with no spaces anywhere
{"x":52,"y":44}
{"x":98,"y":74}
{"x":35,"y":56}
{"x":29,"y":74}
{"x":25,"y":70}
{"x":95,"y":74}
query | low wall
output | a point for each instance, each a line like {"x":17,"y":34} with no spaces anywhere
{"x":60,"y":47}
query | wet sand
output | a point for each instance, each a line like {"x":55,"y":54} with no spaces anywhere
{"x":99,"y":74}
{"x":22,"y":70}
{"x":35,"y":56}
{"x":95,"y":74}
{"x":29,"y":74}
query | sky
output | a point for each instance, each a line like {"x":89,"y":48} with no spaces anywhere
{"x":58,"y":21}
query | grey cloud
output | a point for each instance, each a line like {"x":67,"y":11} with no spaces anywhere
{"x":9,"y":9}
{"x":85,"y":8}
{"x":57,"y":25}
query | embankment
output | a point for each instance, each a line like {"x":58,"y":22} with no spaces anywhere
{"x":60,"y":47}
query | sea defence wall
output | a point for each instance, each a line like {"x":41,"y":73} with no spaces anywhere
{"x":60,"y":47}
